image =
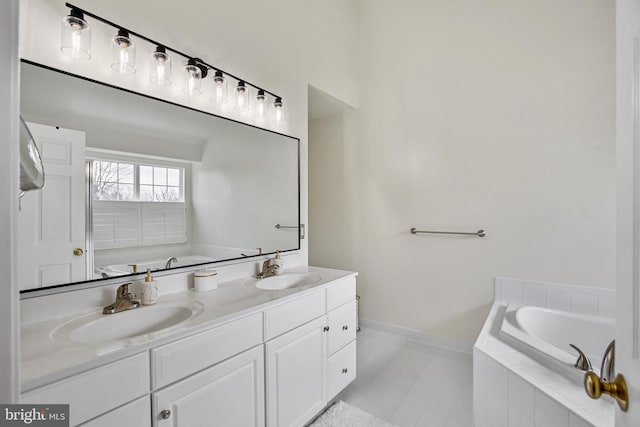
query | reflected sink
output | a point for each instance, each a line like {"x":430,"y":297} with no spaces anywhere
{"x":284,"y":281}
{"x":98,"y":328}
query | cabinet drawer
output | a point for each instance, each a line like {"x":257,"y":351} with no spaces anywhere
{"x":342,"y":326}
{"x":97,"y":391}
{"x":134,"y":414}
{"x":289,"y":315}
{"x":341,"y":370}
{"x":343,"y":291}
{"x":179,"y":359}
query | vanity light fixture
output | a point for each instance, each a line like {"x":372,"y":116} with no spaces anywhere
{"x":261,"y":106}
{"x":75,"y":38}
{"x":278,"y":111}
{"x":193,"y":74}
{"x":160,"y":67}
{"x":123,"y":53}
{"x":219,"y":88}
{"x":76,"y":42}
{"x":242,"y":97}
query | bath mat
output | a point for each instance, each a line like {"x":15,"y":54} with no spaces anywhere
{"x":341,"y":414}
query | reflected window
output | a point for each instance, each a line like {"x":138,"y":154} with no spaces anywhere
{"x":120,"y":181}
{"x":113,"y":180}
{"x":137,"y":204}
{"x":160,"y":184}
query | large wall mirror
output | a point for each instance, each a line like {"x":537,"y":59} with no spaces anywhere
{"x":133,"y":182}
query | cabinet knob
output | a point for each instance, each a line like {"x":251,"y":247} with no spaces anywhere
{"x":345,"y":370}
{"x":345,"y":327}
{"x":326,"y":329}
{"x":165,"y":414}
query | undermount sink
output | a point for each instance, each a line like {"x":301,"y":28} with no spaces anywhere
{"x":284,"y":281}
{"x":98,"y":328}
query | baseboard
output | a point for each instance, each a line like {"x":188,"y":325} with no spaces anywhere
{"x":419,"y":336}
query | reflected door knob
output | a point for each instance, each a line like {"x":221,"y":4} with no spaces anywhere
{"x":617,"y":389}
{"x":78,"y":252}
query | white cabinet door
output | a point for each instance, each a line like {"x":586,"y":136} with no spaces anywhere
{"x":229,"y":394}
{"x":296,"y":375}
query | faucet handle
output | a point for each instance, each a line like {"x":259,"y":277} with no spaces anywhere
{"x":608,"y":367}
{"x":583,"y":363}
{"x":123,"y":289}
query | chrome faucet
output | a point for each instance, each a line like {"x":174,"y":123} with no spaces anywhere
{"x":268,"y":269}
{"x":608,"y":367}
{"x":125,"y":300}
{"x":170,"y":261}
{"x":583,"y":363}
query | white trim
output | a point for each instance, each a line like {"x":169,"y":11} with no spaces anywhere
{"x":9,"y":188}
{"x":419,"y":336}
{"x":627,"y":204}
{"x":106,"y":154}
{"x":636,"y":202}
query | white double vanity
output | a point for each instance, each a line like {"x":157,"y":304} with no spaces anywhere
{"x":235,"y":356}
{"x":137,"y":181}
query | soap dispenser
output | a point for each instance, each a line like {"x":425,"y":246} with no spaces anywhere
{"x":277,"y":261}
{"x":149,"y":290}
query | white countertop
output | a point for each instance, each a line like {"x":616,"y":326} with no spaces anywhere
{"x":44,"y":359}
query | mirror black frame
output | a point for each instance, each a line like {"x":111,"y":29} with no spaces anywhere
{"x":35,"y":292}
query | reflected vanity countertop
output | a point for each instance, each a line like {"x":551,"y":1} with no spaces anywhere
{"x":45,"y":357}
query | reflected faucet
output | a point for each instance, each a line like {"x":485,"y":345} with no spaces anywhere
{"x":170,"y":261}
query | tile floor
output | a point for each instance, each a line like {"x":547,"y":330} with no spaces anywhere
{"x":411,"y":384}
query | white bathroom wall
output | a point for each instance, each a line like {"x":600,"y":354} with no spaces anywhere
{"x":332,"y":185}
{"x":281,"y":45}
{"x":496,"y":115}
{"x":327,"y":225}
{"x":9,"y":131}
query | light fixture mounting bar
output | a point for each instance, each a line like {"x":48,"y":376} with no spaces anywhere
{"x":155,"y":43}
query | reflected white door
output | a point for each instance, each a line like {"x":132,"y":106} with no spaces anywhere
{"x":52,"y":221}
{"x":628,"y":206}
